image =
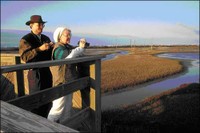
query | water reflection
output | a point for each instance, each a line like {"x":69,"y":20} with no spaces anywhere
{"x":192,"y":56}
{"x":133,"y":95}
{"x":111,"y":56}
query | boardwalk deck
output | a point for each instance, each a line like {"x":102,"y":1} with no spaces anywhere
{"x":15,"y":119}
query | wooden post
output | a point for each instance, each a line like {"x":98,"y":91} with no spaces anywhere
{"x":98,"y":95}
{"x":20,"y":79}
{"x":95,"y":94}
{"x":17,"y":80}
{"x":91,"y":96}
{"x":81,"y":99}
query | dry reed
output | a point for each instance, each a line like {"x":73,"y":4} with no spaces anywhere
{"x":138,"y":67}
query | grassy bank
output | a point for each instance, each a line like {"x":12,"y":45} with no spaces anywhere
{"x":140,"y":66}
{"x":176,"y":110}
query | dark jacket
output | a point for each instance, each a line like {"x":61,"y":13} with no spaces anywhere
{"x":28,"y":45}
{"x":39,"y":78}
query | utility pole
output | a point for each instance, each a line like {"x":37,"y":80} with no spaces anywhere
{"x":116,"y":42}
{"x":151,"y":43}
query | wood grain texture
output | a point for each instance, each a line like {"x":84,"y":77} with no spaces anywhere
{"x":42,"y":97}
{"x":14,"y":119}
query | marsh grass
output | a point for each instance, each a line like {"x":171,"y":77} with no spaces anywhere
{"x":139,"y":66}
{"x":176,"y":110}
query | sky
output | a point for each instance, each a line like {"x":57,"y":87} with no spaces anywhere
{"x":155,"y":21}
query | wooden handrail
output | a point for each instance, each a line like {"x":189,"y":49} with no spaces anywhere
{"x":41,"y":64}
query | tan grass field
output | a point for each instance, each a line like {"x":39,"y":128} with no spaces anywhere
{"x":140,"y":66}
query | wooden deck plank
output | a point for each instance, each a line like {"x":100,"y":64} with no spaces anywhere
{"x":78,"y":117}
{"x":15,"y":119}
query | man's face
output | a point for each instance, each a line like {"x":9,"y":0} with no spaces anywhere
{"x":37,"y":28}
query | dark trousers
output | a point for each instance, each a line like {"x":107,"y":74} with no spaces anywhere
{"x":40,"y":79}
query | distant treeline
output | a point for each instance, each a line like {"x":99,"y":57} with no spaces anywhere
{"x":114,"y":46}
{"x":142,"y":46}
{"x":9,"y":48}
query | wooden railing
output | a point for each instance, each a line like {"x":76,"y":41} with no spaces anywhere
{"x":90,"y":112}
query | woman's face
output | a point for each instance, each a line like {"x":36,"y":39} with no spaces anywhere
{"x":65,"y":37}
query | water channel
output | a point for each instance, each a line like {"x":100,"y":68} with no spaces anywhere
{"x":132,"y":95}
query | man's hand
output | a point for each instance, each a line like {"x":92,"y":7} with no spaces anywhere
{"x":51,"y":44}
{"x":44,"y":47}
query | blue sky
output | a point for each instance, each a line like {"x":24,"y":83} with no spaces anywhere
{"x":154,"y":20}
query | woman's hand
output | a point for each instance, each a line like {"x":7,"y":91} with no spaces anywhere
{"x":82,"y":43}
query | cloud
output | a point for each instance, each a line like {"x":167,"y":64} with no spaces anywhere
{"x":147,"y":30}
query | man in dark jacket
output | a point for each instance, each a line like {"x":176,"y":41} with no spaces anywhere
{"x":36,"y":47}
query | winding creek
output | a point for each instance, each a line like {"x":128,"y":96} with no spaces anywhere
{"x":132,"y":95}
{"x":112,"y":56}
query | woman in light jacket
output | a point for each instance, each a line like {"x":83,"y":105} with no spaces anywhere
{"x":62,"y":107}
